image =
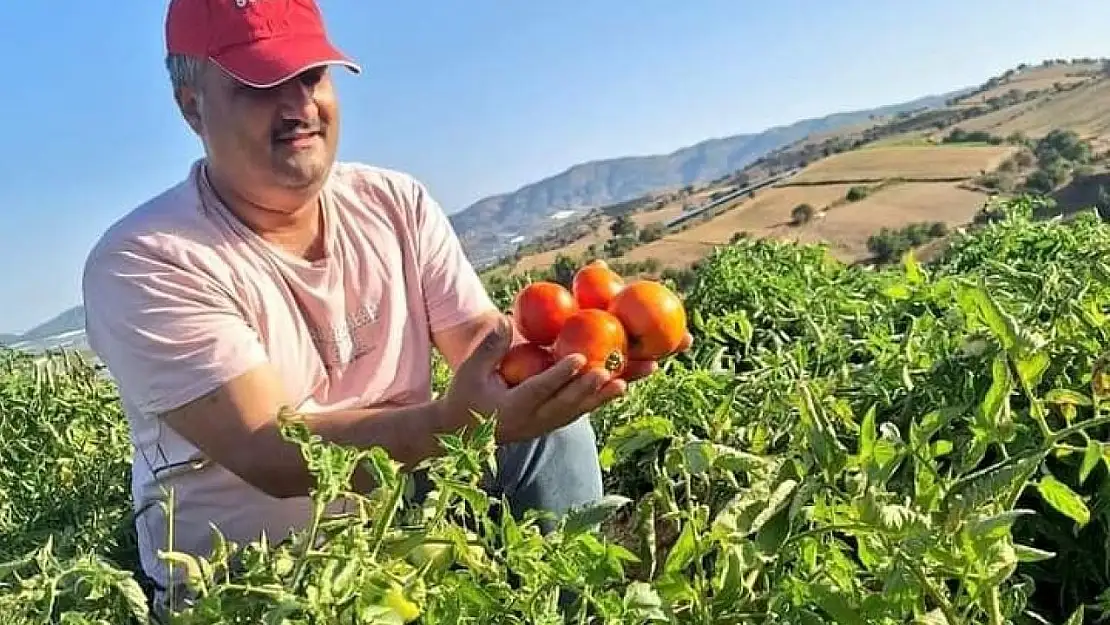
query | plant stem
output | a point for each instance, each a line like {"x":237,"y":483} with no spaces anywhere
{"x":1078,"y":427}
{"x":942,"y":602}
{"x":994,"y":609}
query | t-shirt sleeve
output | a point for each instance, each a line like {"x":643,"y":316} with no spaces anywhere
{"x":168,"y":333}
{"x":453,"y":292}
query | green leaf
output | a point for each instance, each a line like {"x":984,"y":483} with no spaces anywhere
{"x":1032,"y":367}
{"x":683,"y":551}
{"x":1065,"y":396}
{"x":1064,"y":500}
{"x":644,"y":603}
{"x":994,"y":412}
{"x":933,"y":617}
{"x":1091,"y":456}
{"x":867,"y":435}
{"x":631,"y":437}
{"x":999,"y":525}
{"x":915,"y":275}
{"x":591,"y":515}
{"x":976,"y":302}
{"x":1076,"y":617}
{"x":1026,"y":553}
{"x":835,"y":605}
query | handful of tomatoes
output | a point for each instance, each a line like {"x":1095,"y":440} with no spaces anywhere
{"x":602,"y":318}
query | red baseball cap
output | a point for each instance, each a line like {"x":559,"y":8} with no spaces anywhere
{"x":259,"y":42}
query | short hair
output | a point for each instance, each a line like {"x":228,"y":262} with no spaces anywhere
{"x":184,"y":70}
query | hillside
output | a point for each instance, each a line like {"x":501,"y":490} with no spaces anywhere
{"x":871,"y":191}
{"x":70,"y":321}
{"x":529,"y":211}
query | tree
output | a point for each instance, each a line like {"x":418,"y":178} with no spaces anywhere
{"x":856,"y":194}
{"x":564,"y":269}
{"x":652,"y":232}
{"x":623,"y":226}
{"x":802,"y":213}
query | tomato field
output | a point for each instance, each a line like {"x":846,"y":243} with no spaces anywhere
{"x":915,"y":444}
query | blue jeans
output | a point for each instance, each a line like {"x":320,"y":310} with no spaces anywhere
{"x":552,"y":473}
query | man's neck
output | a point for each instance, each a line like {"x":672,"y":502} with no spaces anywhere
{"x":298,"y":231}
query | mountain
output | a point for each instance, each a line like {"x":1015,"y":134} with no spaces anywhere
{"x":60,"y":328}
{"x":535,"y":208}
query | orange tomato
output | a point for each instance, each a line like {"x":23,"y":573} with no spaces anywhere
{"x":597,"y":335}
{"x":523,"y":361}
{"x":654,"y":318}
{"x":595,"y":285}
{"x":540,"y":310}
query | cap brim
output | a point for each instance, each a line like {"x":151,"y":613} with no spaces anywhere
{"x":268,"y":63}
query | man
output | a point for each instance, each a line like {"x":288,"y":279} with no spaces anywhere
{"x":273,"y":276}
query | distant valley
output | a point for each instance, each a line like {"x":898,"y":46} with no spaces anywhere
{"x":536,"y":208}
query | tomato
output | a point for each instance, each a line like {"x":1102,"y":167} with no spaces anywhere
{"x":653,"y":317}
{"x":595,"y":285}
{"x":540,"y":310}
{"x":597,"y":335}
{"x":523,"y":361}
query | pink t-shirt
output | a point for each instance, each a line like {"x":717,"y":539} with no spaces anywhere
{"x":181,"y":297}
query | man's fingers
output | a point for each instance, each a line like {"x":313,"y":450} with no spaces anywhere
{"x":611,"y":390}
{"x":577,"y":397}
{"x":539,"y":388}
{"x":687,"y":342}
{"x":496,"y":342}
{"x":637,"y":369}
{"x":578,"y":391}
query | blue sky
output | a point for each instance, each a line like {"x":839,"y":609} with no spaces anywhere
{"x":475,"y":97}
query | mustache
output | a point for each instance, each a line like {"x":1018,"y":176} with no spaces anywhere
{"x":290,"y":128}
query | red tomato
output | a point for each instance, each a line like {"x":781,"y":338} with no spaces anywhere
{"x":598,"y":336}
{"x":653,"y":317}
{"x":523,"y":361}
{"x":540,"y":310}
{"x":595,"y":285}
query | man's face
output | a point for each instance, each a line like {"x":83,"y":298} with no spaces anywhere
{"x":266,"y":141}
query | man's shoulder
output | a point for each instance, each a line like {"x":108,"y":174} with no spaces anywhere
{"x":352,"y":172}
{"x":160,"y":224}
{"x":376,"y":184}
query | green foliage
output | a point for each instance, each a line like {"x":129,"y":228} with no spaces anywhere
{"x":802,"y":214}
{"x":890,"y":244}
{"x":623,"y":226}
{"x":958,"y":135}
{"x":915,"y":444}
{"x":652,"y":232}
{"x":857,"y":193}
{"x":1060,"y":155}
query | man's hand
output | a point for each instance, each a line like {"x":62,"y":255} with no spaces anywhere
{"x":539,"y":405}
{"x":639,"y":369}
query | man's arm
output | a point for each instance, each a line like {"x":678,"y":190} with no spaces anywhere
{"x":236,"y":427}
{"x":456,"y":343}
{"x":179,"y":348}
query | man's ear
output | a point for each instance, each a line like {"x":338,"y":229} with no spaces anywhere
{"x":189,"y":102}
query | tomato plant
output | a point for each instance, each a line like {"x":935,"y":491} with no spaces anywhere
{"x":597,"y":335}
{"x":595,"y":285}
{"x":653,"y":316}
{"x":540,"y":310}
{"x":523,"y":361}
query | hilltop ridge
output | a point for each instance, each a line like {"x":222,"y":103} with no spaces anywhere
{"x":868,"y":191}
